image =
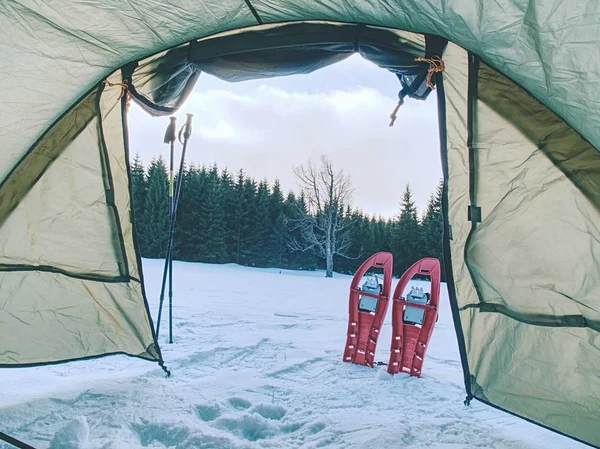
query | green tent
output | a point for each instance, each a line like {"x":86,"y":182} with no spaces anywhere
{"x":519,"y":104}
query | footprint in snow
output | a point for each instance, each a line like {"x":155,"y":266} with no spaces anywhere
{"x":250,"y":427}
{"x":240,"y":403}
{"x":207,"y":412}
{"x":72,"y":436}
{"x":268,"y":411}
{"x":291,"y":428}
{"x":317,"y":427}
{"x":169,"y":434}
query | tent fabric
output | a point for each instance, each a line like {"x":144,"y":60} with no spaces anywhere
{"x":64,"y":48}
{"x":69,"y":277}
{"x":520,"y":143}
{"x":527,"y":275}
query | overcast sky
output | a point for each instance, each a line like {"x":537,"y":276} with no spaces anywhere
{"x":267,"y":127}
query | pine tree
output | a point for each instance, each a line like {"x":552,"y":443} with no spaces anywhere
{"x":276,"y":239}
{"x":283,"y":228}
{"x":360,"y":242}
{"x":187,"y":239}
{"x":261,"y":226}
{"x":374,"y":230}
{"x":156,"y":213}
{"x":238,"y":218}
{"x":406,"y":235}
{"x":230,"y":211}
{"x":247,"y":239}
{"x":366,"y":236}
{"x":139,"y":190}
{"x":180,"y":245}
{"x":382,"y":234}
{"x":197,"y":232}
{"x":212,"y":225}
{"x":222,"y":220}
{"x":433,"y":227}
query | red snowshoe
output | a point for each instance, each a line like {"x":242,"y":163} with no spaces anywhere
{"x":368,"y":305}
{"x":413,"y":319}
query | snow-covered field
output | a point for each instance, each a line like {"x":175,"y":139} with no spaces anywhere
{"x":256,"y":363}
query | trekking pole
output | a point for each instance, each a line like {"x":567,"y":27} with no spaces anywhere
{"x":171,"y":222}
{"x":14,"y":441}
{"x":186,"y":131}
{"x":170,"y":137}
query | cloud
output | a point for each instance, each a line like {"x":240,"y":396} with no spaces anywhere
{"x":219,"y":131}
{"x":268,"y":129}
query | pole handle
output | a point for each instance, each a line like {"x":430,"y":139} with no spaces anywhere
{"x":171,"y":131}
{"x":186,"y":130}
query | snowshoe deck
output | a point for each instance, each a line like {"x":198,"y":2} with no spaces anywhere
{"x":413,"y":320}
{"x":367,"y":308}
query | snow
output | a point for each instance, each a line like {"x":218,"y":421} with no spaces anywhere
{"x":256,"y":363}
{"x":73,"y":436}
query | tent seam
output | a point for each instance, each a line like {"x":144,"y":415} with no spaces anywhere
{"x":473,"y":70}
{"x":561,"y":320}
{"x":441,"y":101}
{"x":76,"y":359}
{"x":110,"y":200}
{"x":254,"y":12}
{"x":121,"y":279}
{"x":125,"y":132}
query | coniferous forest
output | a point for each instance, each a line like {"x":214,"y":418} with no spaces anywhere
{"x":226,"y":217}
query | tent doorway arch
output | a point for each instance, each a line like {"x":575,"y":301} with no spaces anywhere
{"x":521,"y":209}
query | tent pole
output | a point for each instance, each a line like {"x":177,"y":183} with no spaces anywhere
{"x":186,"y":130}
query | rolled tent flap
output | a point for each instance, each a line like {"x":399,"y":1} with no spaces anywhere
{"x":526,"y":265}
{"x":70,"y":278}
{"x":162,"y":82}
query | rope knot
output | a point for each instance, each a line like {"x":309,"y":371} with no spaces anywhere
{"x":123,"y":86}
{"x":436,"y":64}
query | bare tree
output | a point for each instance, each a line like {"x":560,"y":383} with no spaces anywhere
{"x":324,"y":228}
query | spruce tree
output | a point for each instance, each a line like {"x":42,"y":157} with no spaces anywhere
{"x":284,"y":228}
{"x":406,"y":235}
{"x":197,"y":232}
{"x":156,"y":213}
{"x":230,"y":211}
{"x":261,"y":227}
{"x":247,"y":239}
{"x":212,"y":224}
{"x":359,"y":241}
{"x":222,"y":220}
{"x":433,"y":227}
{"x":238,"y":218}
{"x":374,"y":229}
{"x":139,"y":190}
{"x":187,"y":215}
{"x":382,"y":234}
{"x":276,"y":238}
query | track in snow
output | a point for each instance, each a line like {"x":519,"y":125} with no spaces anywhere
{"x":257,"y":364}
